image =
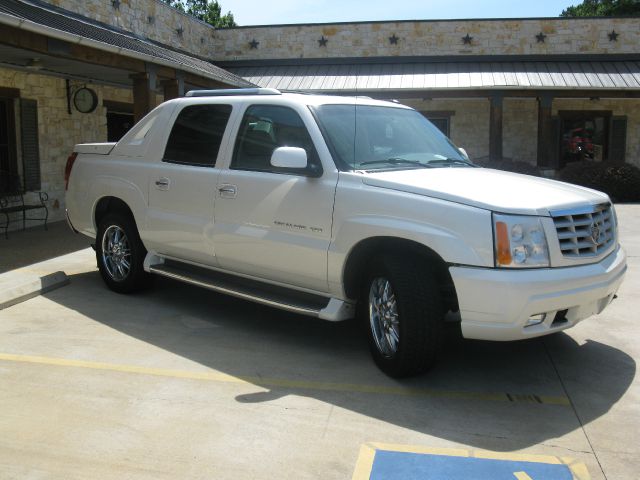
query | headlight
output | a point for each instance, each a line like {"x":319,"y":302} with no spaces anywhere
{"x":519,"y":242}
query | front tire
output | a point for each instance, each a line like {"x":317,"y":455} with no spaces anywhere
{"x":403,"y":313}
{"x":120,"y":254}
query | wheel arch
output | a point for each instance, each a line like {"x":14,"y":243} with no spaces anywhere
{"x":361,"y":254}
{"x":110,"y":204}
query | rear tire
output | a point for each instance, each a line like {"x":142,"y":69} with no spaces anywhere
{"x":402,"y":309}
{"x":120,"y":254}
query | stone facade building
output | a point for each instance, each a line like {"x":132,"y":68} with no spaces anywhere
{"x":545,"y":91}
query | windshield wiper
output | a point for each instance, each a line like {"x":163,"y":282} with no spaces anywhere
{"x":451,"y":161}
{"x":396,"y":161}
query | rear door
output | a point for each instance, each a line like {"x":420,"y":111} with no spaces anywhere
{"x":272,"y":223}
{"x":182,"y":184}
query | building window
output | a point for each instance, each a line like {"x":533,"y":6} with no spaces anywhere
{"x":584,"y":136}
{"x":441,"y":119}
{"x":592,"y":135}
{"x":8,"y":162}
{"x":119,"y":119}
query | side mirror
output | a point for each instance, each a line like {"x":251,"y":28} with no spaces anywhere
{"x":289,"y":157}
{"x":464,"y":153}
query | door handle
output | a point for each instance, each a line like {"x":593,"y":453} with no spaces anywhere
{"x":228,"y":191}
{"x":163,"y":183}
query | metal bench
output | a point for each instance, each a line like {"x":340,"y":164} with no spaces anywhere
{"x":12,"y":203}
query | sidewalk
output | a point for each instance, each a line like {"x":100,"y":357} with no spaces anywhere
{"x":36,"y":261}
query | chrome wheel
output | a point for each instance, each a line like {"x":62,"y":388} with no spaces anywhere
{"x":383,"y":316}
{"x":116,"y":253}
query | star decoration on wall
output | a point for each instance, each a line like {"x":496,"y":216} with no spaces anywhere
{"x":613,"y":36}
{"x":322,"y":42}
{"x":393,"y":40}
{"x":115,"y":4}
{"x":253,"y":44}
{"x":179,"y":31}
{"x":541,"y":37}
{"x":467,"y":39}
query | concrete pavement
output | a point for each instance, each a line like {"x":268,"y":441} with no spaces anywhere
{"x":33,"y":261}
{"x":179,"y":382}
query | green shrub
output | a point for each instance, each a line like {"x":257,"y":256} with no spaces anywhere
{"x":620,"y":182}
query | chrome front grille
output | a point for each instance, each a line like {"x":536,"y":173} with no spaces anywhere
{"x":587,"y":232}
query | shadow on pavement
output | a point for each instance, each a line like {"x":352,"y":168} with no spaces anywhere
{"x":35,"y":244}
{"x":247,"y":340}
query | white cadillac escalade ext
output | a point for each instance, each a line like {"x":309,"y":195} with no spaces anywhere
{"x":334,"y":206}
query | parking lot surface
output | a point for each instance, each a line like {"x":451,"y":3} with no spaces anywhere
{"x":180,"y":382}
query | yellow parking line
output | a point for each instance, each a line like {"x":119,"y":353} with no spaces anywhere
{"x":285,"y":383}
{"x":162,"y":372}
{"x":517,"y":457}
{"x":364,"y":464}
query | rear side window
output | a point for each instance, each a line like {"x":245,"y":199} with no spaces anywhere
{"x":196,"y":135}
{"x":265,"y":128}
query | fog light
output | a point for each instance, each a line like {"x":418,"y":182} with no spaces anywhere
{"x":536,"y":319}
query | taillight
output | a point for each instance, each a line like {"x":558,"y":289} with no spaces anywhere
{"x":67,"y":169}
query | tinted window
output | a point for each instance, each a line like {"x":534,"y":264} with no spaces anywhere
{"x":196,"y":136}
{"x":265,"y":128}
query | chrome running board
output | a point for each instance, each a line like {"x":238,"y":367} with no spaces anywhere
{"x":277,"y":297}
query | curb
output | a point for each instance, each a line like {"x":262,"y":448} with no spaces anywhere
{"x":32,"y":288}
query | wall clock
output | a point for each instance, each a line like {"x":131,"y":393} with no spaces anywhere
{"x":85,"y":100}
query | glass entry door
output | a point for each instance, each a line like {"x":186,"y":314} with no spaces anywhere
{"x":584,"y":136}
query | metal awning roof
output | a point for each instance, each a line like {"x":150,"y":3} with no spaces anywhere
{"x":103,"y":36}
{"x":459,"y":75}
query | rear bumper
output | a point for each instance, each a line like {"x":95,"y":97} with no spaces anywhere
{"x":497,"y":304}
{"x":66,"y":215}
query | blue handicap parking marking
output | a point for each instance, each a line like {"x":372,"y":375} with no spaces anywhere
{"x":392,"y":465}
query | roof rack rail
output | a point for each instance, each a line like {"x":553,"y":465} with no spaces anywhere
{"x":228,"y":92}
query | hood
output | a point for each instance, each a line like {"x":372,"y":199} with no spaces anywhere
{"x":495,"y":190}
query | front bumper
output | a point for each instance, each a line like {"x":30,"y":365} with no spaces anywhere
{"x":497,"y":304}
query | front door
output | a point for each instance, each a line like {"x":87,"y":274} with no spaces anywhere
{"x":584,"y":136}
{"x":271,"y":223}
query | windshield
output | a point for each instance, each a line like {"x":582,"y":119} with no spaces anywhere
{"x":385,"y":138}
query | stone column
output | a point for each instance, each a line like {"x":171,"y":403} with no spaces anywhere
{"x":547,"y":148}
{"x":495,"y":127}
{"x":174,"y":87}
{"x":144,"y":87}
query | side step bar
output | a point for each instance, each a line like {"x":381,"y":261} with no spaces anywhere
{"x":265,"y":294}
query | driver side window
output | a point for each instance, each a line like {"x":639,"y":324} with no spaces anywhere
{"x":265,"y":128}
